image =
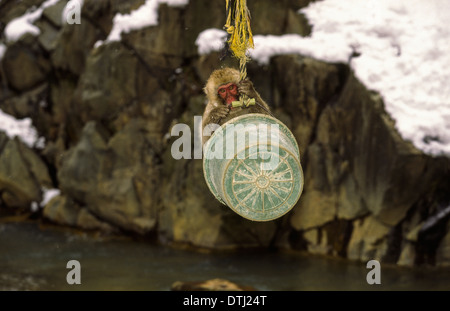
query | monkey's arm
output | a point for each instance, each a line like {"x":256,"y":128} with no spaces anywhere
{"x":215,"y":115}
{"x":246,"y":87}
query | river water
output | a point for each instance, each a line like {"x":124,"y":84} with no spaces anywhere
{"x":35,"y":258}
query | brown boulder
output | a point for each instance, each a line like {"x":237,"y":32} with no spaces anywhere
{"x":22,"y":174}
{"x":24,"y":64}
{"x":209,"y":285}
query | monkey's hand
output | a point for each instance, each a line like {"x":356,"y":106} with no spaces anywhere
{"x":245,"y":87}
{"x":218,"y":113}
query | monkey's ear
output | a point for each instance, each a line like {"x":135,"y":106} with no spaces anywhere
{"x":205,"y":90}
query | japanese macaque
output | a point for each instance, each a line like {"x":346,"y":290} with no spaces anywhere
{"x":222,"y":88}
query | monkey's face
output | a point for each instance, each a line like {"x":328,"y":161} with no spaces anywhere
{"x":228,"y":92}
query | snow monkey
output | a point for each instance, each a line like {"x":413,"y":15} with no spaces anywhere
{"x":222,"y":88}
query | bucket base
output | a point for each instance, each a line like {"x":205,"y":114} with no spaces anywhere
{"x":263,"y":195}
{"x":246,"y":182}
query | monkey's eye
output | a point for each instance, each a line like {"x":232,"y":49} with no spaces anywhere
{"x":222,"y":91}
{"x":231,"y":87}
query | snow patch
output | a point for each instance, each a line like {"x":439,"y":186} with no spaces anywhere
{"x":23,"y":129}
{"x":403,"y":47}
{"x":210,"y":40}
{"x":24,"y":24}
{"x":146,"y":15}
{"x":49,"y":194}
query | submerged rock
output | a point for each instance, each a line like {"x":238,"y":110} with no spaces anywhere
{"x":210,"y":285}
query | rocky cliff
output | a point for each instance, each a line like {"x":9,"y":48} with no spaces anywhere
{"x":106,"y":111}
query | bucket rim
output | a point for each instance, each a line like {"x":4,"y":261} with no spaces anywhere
{"x":291,"y":137}
{"x":253,"y":115}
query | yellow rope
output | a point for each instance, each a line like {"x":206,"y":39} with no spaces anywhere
{"x":241,"y":37}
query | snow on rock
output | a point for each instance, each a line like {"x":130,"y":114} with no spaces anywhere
{"x":23,"y":129}
{"x":210,"y":40}
{"x":146,"y":15}
{"x":403,"y":47}
{"x":48,"y":194}
{"x":267,"y":46}
{"x":24,"y":24}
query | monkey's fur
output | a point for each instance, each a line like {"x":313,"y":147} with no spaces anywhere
{"x":216,"y":110}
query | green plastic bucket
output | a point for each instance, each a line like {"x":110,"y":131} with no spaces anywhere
{"x":252,"y":165}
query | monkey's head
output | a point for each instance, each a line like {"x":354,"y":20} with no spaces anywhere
{"x":222,"y":86}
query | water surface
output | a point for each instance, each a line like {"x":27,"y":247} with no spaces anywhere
{"x":35,"y":258}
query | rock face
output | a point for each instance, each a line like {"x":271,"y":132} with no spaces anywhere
{"x":107,"y":110}
{"x":65,"y":211}
{"x":25,"y":65}
{"x":23,"y":174}
{"x":116,"y":178}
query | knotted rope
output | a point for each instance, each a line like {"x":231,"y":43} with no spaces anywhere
{"x":238,"y":27}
